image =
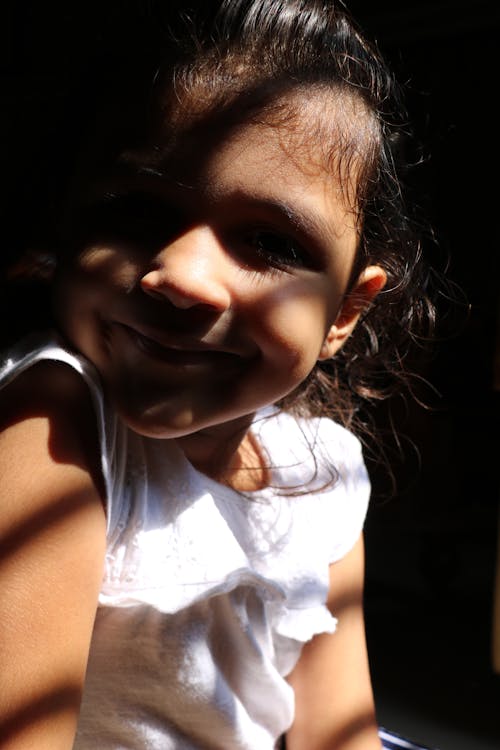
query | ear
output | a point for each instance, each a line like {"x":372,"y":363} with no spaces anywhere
{"x":368,"y":285}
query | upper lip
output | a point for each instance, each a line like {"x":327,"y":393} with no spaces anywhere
{"x":182,"y":343}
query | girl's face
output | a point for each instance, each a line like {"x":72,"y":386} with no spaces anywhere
{"x":211,"y":286}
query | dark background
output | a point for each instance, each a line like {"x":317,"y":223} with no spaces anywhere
{"x":431,"y":549}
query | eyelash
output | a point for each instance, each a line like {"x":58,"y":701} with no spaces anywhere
{"x":277,"y":250}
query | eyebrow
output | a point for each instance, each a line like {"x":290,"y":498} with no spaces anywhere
{"x":305,"y":221}
{"x":148,"y":171}
{"x":133,"y":169}
{"x":169,"y":183}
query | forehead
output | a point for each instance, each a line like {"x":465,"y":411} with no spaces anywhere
{"x":312,"y":135}
{"x":322,"y":120}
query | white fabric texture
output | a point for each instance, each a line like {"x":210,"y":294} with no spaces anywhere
{"x":208,"y":595}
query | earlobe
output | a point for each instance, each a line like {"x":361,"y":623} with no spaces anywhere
{"x":371,"y":280}
{"x":328,"y":349}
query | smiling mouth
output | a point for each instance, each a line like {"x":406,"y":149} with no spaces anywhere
{"x":178,"y":356}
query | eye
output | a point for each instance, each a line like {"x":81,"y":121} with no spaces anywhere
{"x":278,"y":249}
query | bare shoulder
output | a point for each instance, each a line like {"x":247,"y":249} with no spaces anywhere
{"x":52,"y":397}
{"x":52,"y":542}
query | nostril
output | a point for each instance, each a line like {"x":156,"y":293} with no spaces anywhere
{"x":181,"y":295}
{"x":153,"y":293}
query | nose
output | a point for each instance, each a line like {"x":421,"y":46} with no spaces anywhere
{"x":191,"y":270}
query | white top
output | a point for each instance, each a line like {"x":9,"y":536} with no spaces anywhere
{"x":208,"y":595}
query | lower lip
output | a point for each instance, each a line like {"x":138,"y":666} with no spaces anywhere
{"x":179,"y":357}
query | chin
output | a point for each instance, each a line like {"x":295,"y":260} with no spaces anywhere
{"x":151,"y":424}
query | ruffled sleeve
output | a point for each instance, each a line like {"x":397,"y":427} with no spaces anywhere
{"x":350,"y":495}
{"x":323,"y":464}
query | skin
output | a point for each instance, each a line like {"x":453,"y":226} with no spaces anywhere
{"x":192,"y":330}
{"x":334,"y":700}
{"x":52,"y":542}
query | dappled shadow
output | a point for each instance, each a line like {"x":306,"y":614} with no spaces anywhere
{"x":38,"y":522}
{"x":48,"y":532}
{"x":64,"y":698}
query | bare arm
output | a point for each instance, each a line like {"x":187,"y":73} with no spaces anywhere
{"x":52,"y":543}
{"x":334,"y":700}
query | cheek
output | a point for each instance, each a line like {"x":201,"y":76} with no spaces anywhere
{"x":105,"y":267}
{"x":91,"y":280}
{"x":293,"y":325}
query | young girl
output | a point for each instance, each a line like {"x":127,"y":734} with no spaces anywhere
{"x":231,"y":268}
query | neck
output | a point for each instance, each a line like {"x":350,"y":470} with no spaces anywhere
{"x":228,"y":453}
